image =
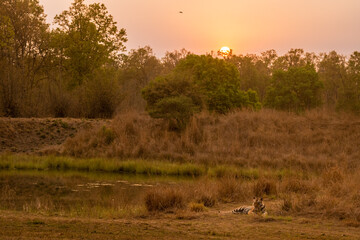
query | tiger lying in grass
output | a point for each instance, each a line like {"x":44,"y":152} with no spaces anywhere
{"x":257,"y":208}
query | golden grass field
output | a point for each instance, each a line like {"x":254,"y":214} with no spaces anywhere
{"x":305,"y":166}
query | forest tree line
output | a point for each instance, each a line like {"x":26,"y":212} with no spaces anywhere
{"x":78,"y":67}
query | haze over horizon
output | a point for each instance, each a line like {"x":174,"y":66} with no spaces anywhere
{"x":245,"y":26}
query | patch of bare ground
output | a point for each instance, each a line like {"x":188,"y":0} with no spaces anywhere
{"x":209,"y":225}
{"x":40,"y":135}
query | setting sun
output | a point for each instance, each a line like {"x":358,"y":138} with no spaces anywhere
{"x":225,"y":51}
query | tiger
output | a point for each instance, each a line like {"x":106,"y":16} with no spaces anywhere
{"x":258,"y":207}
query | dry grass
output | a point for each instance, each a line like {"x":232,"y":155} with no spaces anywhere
{"x":164,"y":199}
{"x":333,"y":194}
{"x":267,"y":138}
{"x":309,"y":162}
{"x":197,"y":207}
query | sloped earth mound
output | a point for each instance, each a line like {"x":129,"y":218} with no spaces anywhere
{"x":40,"y":135}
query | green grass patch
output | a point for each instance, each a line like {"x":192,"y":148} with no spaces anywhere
{"x":230,"y":170}
{"x":132,"y":166}
{"x":139,"y":166}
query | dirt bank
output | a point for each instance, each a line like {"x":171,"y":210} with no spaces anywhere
{"x":40,"y":135}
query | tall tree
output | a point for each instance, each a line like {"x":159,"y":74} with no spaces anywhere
{"x":254,"y":73}
{"x":332,"y":72}
{"x":137,"y":69}
{"x":294,"y":58}
{"x":349,"y":92}
{"x":171,"y":59}
{"x":23,"y":52}
{"x":89,"y":38}
{"x":268,"y":58}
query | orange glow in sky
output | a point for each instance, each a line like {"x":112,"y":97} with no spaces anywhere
{"x":247,"y":26}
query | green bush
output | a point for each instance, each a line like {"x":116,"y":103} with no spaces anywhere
{"x":176,"y":109}
{"x":197,"y":82}
{"x":295,"y":89}
{"x":172,"y":98}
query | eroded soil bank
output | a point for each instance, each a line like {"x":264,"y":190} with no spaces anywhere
{"x":40,"y":135}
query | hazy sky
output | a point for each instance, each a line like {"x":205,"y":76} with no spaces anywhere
{"x":246,"y":26}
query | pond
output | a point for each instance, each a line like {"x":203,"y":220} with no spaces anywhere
{"x":78,"y":194}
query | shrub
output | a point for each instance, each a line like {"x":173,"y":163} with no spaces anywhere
{"x":108,"y":134}
{"x":231,"y":189}
{"x":172,"y":98}
{"x":297,"y":186}
{"x":207,"y":200}
{"x":197,"y":207}
{"x":287,"y":203}
{"x":264,"y":186}
{"x":177,"y":110}
{"x":164,"y":199}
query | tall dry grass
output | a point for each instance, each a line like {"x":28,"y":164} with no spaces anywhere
{"x":335,"y":193}
{"x":314,"y":157}
{"x":267,"y":138}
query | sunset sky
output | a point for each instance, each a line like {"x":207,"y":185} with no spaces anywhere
{"x":246,"y":26}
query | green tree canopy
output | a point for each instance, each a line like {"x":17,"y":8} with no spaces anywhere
{"x":86,"y":38}
{"x":197,"y":82}
{"x":349,"y":99}
{"x":295,"y":89}
{"x":332,"y":72}
{"x":254,"y":73}
{"x":294,"y":58}
{"x":217,"y":80}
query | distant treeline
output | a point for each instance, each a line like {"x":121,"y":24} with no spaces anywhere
{"x":78,"y":68}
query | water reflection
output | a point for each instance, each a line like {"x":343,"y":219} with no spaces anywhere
{"x":74,"y":193}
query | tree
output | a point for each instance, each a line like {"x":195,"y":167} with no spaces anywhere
{"x":197,"y":82}
{"x":294,"y":58}
{"x":23,"y":54}
{"x":268,"y":58}
{"x":254,"y":73}
{"x":171,"y":59}
{"x":349,"y":92}
{"x":101,"y":95}
{"x":87,"y":38}
{"x":172,"y":97}
{"x":86,"y":49}
{"x":332,"y":72}
{"x":217,"y":79}
{"x":295,"y":89}
{"x":137,"y":69}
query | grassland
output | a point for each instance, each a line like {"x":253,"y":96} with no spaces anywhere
{"x":210,"y":225}
{"x":305,"y":166}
